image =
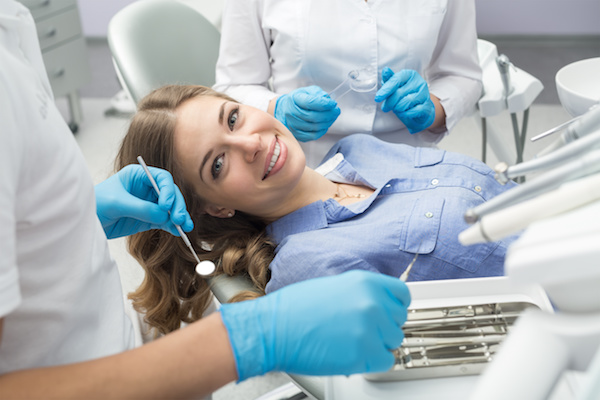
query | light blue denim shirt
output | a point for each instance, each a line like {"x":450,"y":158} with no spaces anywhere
{"x":421,"y":195}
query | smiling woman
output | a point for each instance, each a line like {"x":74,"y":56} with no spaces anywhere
{"x":259,"y":211}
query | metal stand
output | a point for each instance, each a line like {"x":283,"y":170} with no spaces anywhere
{"x":505,"y":87}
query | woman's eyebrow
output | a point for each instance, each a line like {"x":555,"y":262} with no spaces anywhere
{"x":204,"y":160}
{"x":209,"y":154}
{"x":222,"y":113}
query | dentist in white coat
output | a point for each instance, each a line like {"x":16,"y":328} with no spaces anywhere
{"x":64,"y":333}
{"x":285,"y":55}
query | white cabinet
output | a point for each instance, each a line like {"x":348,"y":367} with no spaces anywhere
{"x":63,"y":49}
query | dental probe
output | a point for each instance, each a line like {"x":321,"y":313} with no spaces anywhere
{"x":202,"y":268}
{"x":404,"y":275}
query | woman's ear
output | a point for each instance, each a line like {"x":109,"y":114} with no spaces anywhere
{"x":219,"y":212}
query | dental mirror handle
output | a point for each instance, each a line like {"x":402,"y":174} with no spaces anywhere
{"x":340,"y":90}
{"x":181,"y":232}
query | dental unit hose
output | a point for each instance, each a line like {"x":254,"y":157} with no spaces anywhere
{"x":503,"y":223}
{"x":576,"y":149}
{"x":586,"y":165}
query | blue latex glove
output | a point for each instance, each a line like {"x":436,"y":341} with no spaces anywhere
{"x":407,"y":94}
{"x":307,"y":112}
{"x":335,"y":325}
{"x":126,"y":203}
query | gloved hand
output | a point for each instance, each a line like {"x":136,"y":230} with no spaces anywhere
{"x":407,"y":94}
{"x":307,"y":112}
{"x":126,"y":203}
{"x":341,"y":324}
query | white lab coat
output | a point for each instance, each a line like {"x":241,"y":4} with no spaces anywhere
{"x":60,"y":291}
{"x":271,"y":47}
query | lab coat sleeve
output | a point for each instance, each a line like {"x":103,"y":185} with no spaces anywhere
{"x":11,"y":151}
{"x":243,"y":69}
{"x":454,"y":74}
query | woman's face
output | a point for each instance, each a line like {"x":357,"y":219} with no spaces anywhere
{"x":237,"y":157}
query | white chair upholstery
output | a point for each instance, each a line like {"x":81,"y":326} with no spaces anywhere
{"x":159,"y":42}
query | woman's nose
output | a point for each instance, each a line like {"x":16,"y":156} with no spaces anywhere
{"x":250,"y":146}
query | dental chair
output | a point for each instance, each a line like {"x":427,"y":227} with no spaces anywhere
{"x":159,"y":42}
{"x":156,"y":42}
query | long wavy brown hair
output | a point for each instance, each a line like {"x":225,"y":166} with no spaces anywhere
{"x":171,"y":291}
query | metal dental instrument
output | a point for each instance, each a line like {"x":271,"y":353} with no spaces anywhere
{"x":565,"y":125}
{"x":202,"y":268}
{"x":404,"y":275}
{"x":359,"y":80}
{"x":555,"y":129}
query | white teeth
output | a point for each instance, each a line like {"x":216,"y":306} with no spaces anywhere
{"x":276,"y":152}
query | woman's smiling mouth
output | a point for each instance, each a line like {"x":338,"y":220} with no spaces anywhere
{"x":274,"y":158}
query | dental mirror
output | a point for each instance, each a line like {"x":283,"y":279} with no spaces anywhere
{"x":204,"y":268}
{"x":359,"y":80}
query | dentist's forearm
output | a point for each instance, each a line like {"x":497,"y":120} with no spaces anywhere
{"x":189,"y":363}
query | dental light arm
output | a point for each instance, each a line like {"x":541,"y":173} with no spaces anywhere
{"x":586,"y":165}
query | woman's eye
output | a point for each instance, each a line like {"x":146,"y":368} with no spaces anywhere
{"x":233,"y":116}
{"x":217,"y":166}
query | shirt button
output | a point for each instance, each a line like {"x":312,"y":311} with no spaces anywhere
{"x":388,"y":185}
{"x":477,"y":188}
{"x":435,"y":182}
{"x":429,"y":214}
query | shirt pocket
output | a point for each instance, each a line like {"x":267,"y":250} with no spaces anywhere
{"x":426,"y":157}
{"x":420,"y":232}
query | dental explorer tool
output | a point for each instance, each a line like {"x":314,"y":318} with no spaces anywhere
{"x":203,"y":268}
{"x":404,"y":275}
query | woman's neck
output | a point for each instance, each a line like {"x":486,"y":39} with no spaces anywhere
{"x":314,"y":187}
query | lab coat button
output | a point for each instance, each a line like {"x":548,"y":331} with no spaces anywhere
{"x":477,"y":188}
{"x":429,"y":214}
{"x":435,"y":182}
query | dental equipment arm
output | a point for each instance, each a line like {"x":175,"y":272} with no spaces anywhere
{"x":535,"y":354}
{"x":587,"y":123}
{"x":586,"y":127}
{"x":511,"y":220}
{"x":560,"y":254}
{"x":586,"y":165}
{"x":572,"y":150}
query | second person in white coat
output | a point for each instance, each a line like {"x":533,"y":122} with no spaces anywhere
{"x":284,"y":56}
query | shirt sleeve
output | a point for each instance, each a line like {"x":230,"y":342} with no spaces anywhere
{"x":10,"y":150}
{"x":454,"y":73}
{"x":243,"y":69}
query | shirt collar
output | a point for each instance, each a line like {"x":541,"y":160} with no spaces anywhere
{"x":320,"y":214}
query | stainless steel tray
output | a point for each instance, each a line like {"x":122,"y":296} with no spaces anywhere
{"x":451,"y":341}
